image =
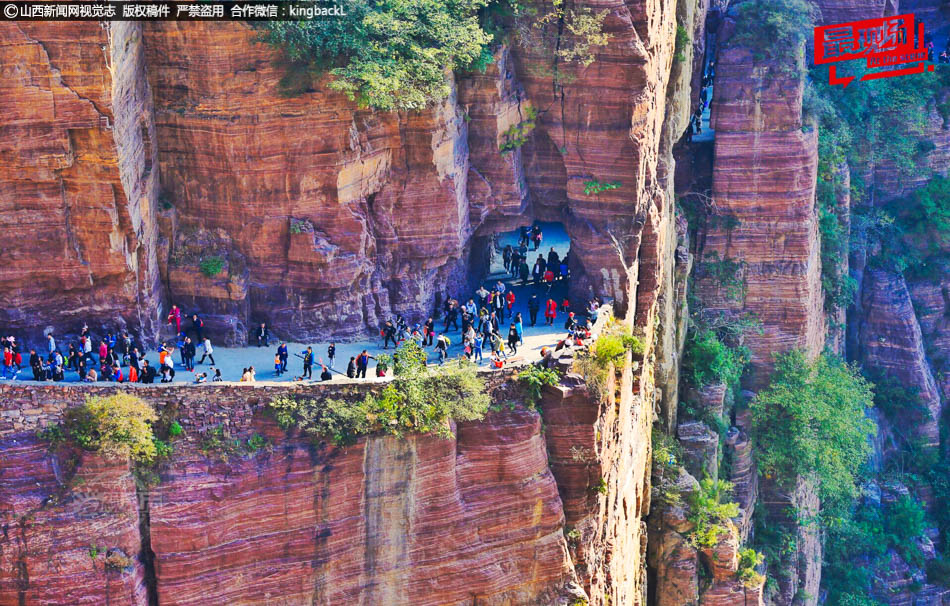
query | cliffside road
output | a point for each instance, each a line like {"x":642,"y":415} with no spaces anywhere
{"x":232,"y":360}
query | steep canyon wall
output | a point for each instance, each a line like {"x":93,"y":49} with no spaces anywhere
{"x":484,"y":515}
{"x":149,"y":150}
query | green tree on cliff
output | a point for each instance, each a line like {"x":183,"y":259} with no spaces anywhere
{"x":811,"y":422}
{"x":386,"y":54}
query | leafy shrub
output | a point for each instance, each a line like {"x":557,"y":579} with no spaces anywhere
{"x":776,"y":29}
{"x":594,"y":187}
{"x":175,"y":430}
{"x":749,"y":560}
{"x":682,"y":42}
{"x":211,"y":266}
{"x":938,"y":571}
{"x":256,"y":442}
{"x":609,"y":349}
{"x":117,"y":426}
{"x":419,"y":399}
{"x":905,"y":520}
{"x":517,"y":134}
{"x":727,"y":273}
{"x":534,"y":378}
{"x":386,"y":54}
{"x":634,"y":345}
{"x":116,"y":560}
{"x":708,"y":360}
{"x":811,"y":421}
{"x":708,"y":513}
{"x":666,"y":454}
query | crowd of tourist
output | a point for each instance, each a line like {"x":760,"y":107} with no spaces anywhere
{"x":490,"y":324}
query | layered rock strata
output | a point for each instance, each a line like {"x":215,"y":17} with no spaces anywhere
{"x":78,"y":179}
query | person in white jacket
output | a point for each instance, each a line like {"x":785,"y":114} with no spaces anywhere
{"x":208,"y":350}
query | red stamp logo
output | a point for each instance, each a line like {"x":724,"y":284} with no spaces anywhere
{"x":885,"y":42}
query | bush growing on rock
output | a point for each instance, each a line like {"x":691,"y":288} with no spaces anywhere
{"x":708,"y":513}
{"x":117,"y":426}
{"x":419,"y":399}
{"x":386,"y":54}
{"x":811,"y":422}
{"x":708,"y":360}
{"x":535,"y":378}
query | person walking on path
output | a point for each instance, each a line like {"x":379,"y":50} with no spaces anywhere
{"x":451,"y":315}
{"x":37,"y":365}
{"x":103,"y":351}
{"x":538,"y":272}
{"x":307,"y":364}
{"x":331,"y":354}
{"x":389,"y":334}
{"x":550,"y":312}
{"x":477,"y":348}
{"x":428,"y":332}
{"x":510,"y":298}
{"x":554,"y":261}
{"x":8,"y":363}
{"x":534,"y":306}
{"x":174,"y":317}
{"x":498,"y":305}
{"x":442,"y":347}
{"x":513,"y":338}
{"x":523,"y":271}
{"x":482,"y":294}
{"x":207,"y":351}
{"x":519,"y":326}
{"x":277,"y":365}
{"x":362,"y":363}
{"x":263,"y":335}
{"x":351,"y":368}
{"x":283,"y":354}
{"x":50,"y":343}
{"x":506,"y":257}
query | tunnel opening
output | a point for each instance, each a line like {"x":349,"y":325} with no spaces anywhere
{"x":534,"y":263}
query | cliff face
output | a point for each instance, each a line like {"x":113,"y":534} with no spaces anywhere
{"x":419,"y":520}
{"x":323,"y":217}
{"x":78,"y":165}
{"x":485,"y":515}
{"x":764,"y":173}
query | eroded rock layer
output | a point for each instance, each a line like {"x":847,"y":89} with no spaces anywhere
{"x":78,"y":176}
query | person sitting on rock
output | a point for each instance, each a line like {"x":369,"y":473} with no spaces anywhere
{"x":262,"y":334}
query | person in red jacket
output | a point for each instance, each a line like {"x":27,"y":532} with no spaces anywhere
{"x":550,"y":312}
{"x":511,"y":301}
{"x":174,"y":317}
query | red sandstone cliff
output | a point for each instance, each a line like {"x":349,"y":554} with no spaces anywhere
{"x":326,"y":217}
{"x":78,"y":178}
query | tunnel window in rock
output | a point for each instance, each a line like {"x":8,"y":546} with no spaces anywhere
{"x":526,"y":263}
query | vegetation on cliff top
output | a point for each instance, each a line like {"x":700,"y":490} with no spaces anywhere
{"x":420,"y":399}
{"x":118,"y":426}
{"x":776,"y":30}
{"x":393,"y":54}
{"x":387,"y":54}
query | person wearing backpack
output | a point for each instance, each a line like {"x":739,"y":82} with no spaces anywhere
{"x":197,"y":325}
